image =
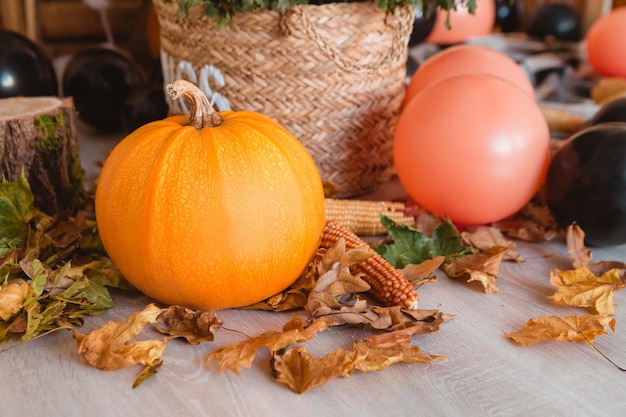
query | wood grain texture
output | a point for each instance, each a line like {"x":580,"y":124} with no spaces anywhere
{"x":485,"y":373}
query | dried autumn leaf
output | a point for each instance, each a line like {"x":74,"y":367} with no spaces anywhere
{"x":194,"y":326}
{"x":533,"y":223}
{"x":335,"y":296}
{"x":110,"y":347}
{"x":413,"y":272}
{"x":582,"y":288}
{"x":234,"y":356}
{"x":482,"y":267}
{"x":570,"y":328}
{"x":12,"y":297}
{"x":299,"y":370}
{"x":575,"y":242}
{"x":484,"y":238}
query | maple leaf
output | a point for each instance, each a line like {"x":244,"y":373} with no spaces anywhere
{"x":582,"y":288}
{"x":413,"y":247}
{"x":194,"y":326}
{"x":301,"y":372}
{"x":234,"y":356}
{"x":110,"y":347}
{"x":570,"y":328}
{"x":482,"y":267}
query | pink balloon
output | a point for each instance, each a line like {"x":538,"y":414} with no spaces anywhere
{"x":463,"y":59}
{"x":463,"y":24}
{"x":606,"y":44}
{"x":472,"y":147}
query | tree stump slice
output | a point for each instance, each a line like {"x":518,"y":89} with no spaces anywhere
{"x":38,"y":137}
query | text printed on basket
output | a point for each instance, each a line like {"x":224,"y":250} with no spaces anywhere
{"x":209,"y":75}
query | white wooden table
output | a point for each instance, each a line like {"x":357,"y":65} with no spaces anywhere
{"x":485,"y":373}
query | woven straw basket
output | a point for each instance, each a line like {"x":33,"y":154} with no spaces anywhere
{"x":333,"y":75}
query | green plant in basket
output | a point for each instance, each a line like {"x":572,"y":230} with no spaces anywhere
{"x":224,"y":10}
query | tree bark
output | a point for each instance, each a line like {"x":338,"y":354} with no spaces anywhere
{"x":38,"y":137}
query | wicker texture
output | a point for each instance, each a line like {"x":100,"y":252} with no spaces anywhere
{"x":333,"y":75}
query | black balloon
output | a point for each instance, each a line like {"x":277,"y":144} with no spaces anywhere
{"x":100,"y":81}
{"x":586,"y":183}
{"x":423,"y":24}
{"x":557,"y":20}
{"x":613,"y":111}
{"x":145,"y":104}
{"x":25,"y":70}
{"x":507,"y":18}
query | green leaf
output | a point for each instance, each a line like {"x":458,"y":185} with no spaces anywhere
{"x":413,"y":247}
{"x":16,"y":210}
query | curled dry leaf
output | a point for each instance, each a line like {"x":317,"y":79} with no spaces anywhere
{"x":484,"y":238}
{"x":533,"y":223}
{"x":334,"y":299}
{"x":582,"y":288}
{"x":194,"y":326}
{"x":570,"y":328}
{"x":12,"y":297}
{"x":581,"y":255}
{"x":110,"y":347}
{"x":576,"y":249}
{"x":234,"y":356}
{"x":301,"y":372}
{"x":482,"y":267}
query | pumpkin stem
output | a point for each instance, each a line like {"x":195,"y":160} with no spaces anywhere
{"x":201,"y":113}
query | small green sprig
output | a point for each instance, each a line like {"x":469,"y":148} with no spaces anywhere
{"x":224,"y":10}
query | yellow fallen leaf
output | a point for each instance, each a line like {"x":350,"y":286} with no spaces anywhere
{"x":570,"y":328}
{"x":582,"y":288}
{"x":110,"y":348}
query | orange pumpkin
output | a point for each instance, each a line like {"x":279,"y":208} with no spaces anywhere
{"x":215,"y":211}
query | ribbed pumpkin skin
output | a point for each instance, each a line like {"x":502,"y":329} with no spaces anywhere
{"x":210,"y":218}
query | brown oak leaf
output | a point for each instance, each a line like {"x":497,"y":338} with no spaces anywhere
{"x":582,"y":288}
{"x":570,"y":328}
{"x":194,"y":326}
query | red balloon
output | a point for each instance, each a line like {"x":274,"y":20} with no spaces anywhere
{"x":606,"y":44}
{"x":463,"y":24}
{"x":472,"y":147}
{"x":463,"y":59}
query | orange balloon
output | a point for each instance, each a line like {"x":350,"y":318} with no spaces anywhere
{"x":463,"y":24}
{"x":472,"y":147}
{"x":463,"y":59}
{"x":606,"y":44}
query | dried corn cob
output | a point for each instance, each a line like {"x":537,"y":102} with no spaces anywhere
{"x":386,"y":282}
{"x":362,"y":217}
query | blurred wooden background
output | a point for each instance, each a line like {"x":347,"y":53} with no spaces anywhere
{"x":67,"y":26}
